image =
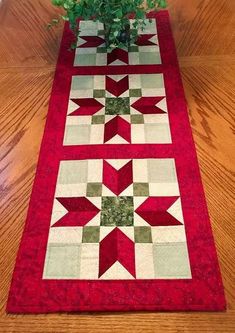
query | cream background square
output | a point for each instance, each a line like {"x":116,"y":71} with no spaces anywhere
{"x":171,"y":261}
{"x":72,"y":172}
{"x":62,"y":262}
{"x":99,"y":82}
{"x":65,"y":235}
{"x":95,"y":171}
{"x":168,"y":234}
{"x":81,"y":82}
{"x":161,"y":170}
{"x":71,"y":190}
{"x":157,"y":133}
{"x":88,"y":32}
{"x":144,"y":261}
{"x":78,"y":120}
{"x":134,"y":81}
{"x":89,"y":261}
{"x":101,"y":59}
{"x":137,"y":133}
{"x":81,"y":93}
{"x":149,"y":92}
{"x":79,"y":134}
{"x":140,"y":171}
{"x":134,"y":58}
{"x":150,"y":81}
{"x":85,"y":50}
{"x":156,"y":119}
{"x":163,"y":189}
{"x":97,"y":134}
{"x":149,"y":48}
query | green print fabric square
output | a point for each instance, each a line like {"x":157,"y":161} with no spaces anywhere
{"x":91,"y":234}
{"x":98,"y":93}
{"x":101,"y":50}
{"x":117,"y":211}
{"x":135,"y":92}
{"x":143,"y":235}
{"x":117,"y":106}
{"x":141,"y":189}
{"x":137,"y":119}
{"x":98,"y":119}
{"x":94,"y":190}
{"x":133,"y":48}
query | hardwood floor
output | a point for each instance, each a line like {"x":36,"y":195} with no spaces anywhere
{"x":205,"y":41}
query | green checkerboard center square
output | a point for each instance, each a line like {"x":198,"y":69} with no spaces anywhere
{"x":117,"y":105}
{"x":117,"y":211}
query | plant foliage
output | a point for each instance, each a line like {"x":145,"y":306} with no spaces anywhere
{"x":113,"y":13}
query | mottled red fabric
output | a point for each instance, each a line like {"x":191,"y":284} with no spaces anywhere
{"x":29,"y":293}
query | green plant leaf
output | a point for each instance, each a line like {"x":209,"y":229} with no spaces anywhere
{"x":113,"y":13}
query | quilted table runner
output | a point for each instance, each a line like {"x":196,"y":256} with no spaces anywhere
{"x":117,"y":218}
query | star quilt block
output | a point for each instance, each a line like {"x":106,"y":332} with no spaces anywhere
{"x":91,"y":50}
{"x":117,"y":109}
{"x":117,"y":209}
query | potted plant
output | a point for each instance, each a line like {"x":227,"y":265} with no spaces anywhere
{"x":114,"y":14}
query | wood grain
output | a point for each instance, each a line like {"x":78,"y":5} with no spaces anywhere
{"x":205,"y":41}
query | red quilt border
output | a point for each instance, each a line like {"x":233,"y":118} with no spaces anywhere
{"x":30,"y":294}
